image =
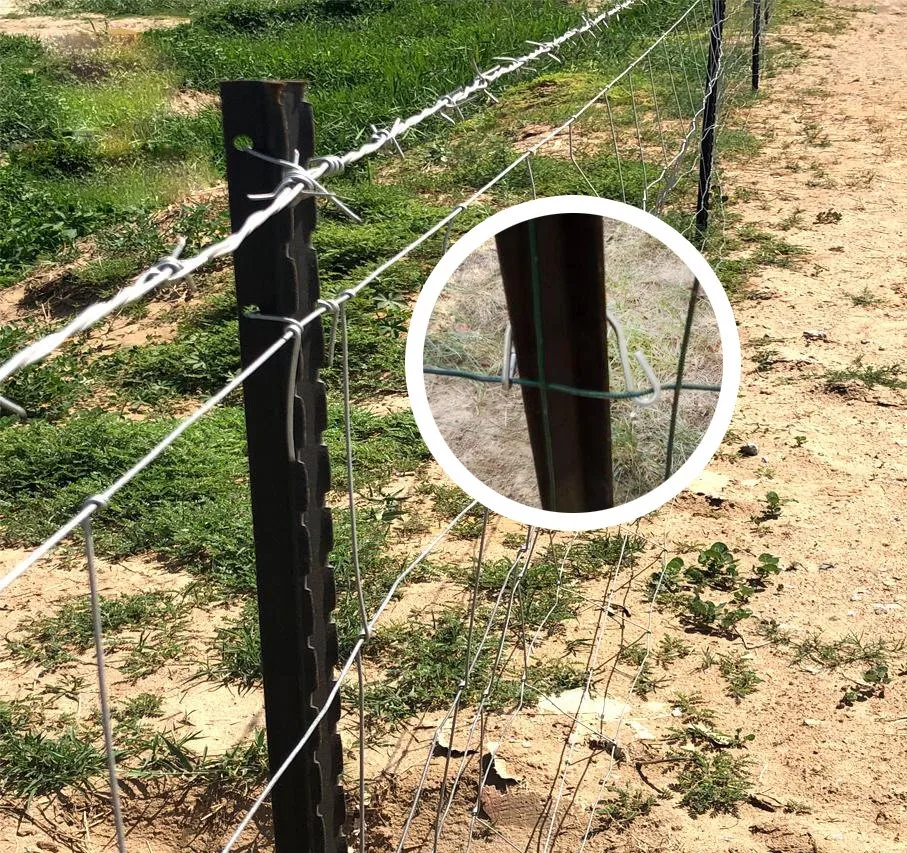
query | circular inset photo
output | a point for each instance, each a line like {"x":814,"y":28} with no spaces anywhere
{"x":573,"y":362}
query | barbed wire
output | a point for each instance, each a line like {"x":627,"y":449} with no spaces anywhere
{"x":294,"y":184}
{"x":297,"y":181}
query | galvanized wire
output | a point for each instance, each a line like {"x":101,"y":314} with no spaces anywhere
{"x":297,"y":181}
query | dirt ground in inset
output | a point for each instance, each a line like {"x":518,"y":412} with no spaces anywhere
{"x":648,"y":293}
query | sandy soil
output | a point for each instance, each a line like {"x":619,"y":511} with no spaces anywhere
{"x":78,"y":30}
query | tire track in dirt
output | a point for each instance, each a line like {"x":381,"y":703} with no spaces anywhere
{"x":831,"y":177}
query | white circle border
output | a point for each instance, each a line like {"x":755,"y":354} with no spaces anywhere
{"x":730,"y":355}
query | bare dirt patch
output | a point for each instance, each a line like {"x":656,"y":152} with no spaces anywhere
{"x":80,"y":31}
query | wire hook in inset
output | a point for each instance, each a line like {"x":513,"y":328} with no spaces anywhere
{"x":508,"y":368}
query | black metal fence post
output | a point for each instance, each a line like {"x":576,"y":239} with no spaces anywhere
{"x":276,"y":271}
{"x":757,"y":41}
{"x":554,"y":280}
{"x":707,"y":142}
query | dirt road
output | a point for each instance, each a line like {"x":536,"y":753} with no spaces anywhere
{"x":831,"y":177}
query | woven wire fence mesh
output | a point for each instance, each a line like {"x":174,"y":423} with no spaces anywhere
{"x":488,"y":674}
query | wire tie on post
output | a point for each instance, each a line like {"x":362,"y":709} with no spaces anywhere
{"x":508,"y":369}
{"x":333,"y":307}
{"x":650,"y":375}
{"x":296,"y":176}
{"x":294,"y":326}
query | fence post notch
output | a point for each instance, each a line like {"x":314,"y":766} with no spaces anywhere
{"x":276,"y":272}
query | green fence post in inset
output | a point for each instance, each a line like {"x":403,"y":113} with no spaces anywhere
{"x":553,"y":271}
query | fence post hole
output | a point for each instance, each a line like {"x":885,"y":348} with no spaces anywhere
{"x":553,"y":270}
{"x":757,"y":41}
{"x":707,"y":142}
{"x":276,"y":272}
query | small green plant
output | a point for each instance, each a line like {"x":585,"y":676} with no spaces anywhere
{"x":828,"y":217}
{"x":708,"y":617}
{"x":626,"y":806}
{"x":138,"y":707}
{"x":799,"y":440}
{"x":772,"y":508}
{"x":865,"y":298}
{"x":713,"y":783}
{"x":693,"y":709}
{"x":888,"y":376}
{"x":671,"y":649}
{"x":35,"y":762}
{"x":740,"y":676}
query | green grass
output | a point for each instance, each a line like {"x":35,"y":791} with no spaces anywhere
{"x":159,"y":619}
{"x":34,"y":763}
{"x":888,"y":376}
{"x":190,"y":507}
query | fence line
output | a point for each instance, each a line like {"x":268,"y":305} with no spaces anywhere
{"x":304,"y":182}
{"x":299,"y":181}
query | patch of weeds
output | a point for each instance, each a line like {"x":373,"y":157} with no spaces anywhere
{"x":625,"y":807}
{"x":34,"y":762}
{"x":682,"y":587}
{"x":54,"y":640}
{"x":888,"y":376}
{"x":740,"y":676}
{"x":766,"y":359}
{"x":237,"y":654}
{"x":671,"y":649}
{"x":791,"y":221}
{"x":693,"y":709}
{"x":713,"y":783}
{"x":646,"y":681}
{"x":772,"y":631}
{"x":701,"y":735}
{"x":545,"y":595}
{"x":865,"y":298}
{"x":424,"y":664}
{"x":635,"y":655}
{"x":242,"y":769}
{"x":846,"y":651}
{"x":553,"y":677}
{"x":873,"y":687}
{"x":448,"y":502}
{"x":595,"y":552}
{"x":49,"y":389}
{"x":138,"y":708}
{"x":828,"y":217}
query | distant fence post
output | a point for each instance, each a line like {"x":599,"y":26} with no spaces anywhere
{"x":707,"y":142}
{"x":554,"y":280}
{"x":276,"y":270}
{"x":757,"y":40}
